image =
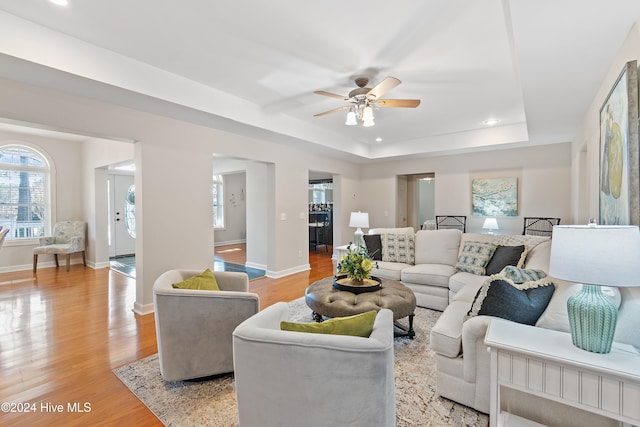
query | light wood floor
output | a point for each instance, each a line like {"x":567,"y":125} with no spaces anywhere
{"x":62,"y":334}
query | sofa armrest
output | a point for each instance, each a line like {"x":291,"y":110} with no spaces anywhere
{"x":473,"y":349}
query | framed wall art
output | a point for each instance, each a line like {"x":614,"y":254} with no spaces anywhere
{"x":495,"y":196}
{"x":619,"y":181}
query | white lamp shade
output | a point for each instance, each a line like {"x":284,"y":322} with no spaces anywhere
{"x":601,"y":255}
{"x":351,"y":119}
{"x":367,"y":117}
{"x":490,"y":224}
{"x":359,"y":219}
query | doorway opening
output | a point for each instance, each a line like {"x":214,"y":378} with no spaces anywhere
{"x":416,"y":201}
{"x":121,"y":229}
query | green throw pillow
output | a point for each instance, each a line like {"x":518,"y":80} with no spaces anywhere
{"x":359,"y":325}
{"x":203,"y":281}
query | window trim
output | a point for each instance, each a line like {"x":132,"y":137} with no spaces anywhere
{"x":51,"y":184}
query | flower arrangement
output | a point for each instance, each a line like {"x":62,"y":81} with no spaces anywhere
{"x":356,"y":264}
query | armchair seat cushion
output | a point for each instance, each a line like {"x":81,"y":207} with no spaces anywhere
{"x":56,"y":248}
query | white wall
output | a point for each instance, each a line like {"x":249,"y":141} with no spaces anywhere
{"x":588,"y":137}
{"x":97,"y":155}
{"x":544,"y":184}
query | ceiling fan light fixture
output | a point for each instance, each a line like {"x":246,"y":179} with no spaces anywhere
{"x":367,"y":117}
{"x":351,"y":118}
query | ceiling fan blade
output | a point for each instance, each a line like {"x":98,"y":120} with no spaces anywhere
{"x":383,"y":87}
{"x":335,"y":110}
{"x":331,"y":95}
{"x":397,"y":103}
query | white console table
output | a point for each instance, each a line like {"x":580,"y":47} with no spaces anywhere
{"x":545,"y":363}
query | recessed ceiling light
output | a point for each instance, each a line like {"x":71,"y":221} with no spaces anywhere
{"x":491,"y":122}
{"x":378,"y":139}
{"x":60,"y":2}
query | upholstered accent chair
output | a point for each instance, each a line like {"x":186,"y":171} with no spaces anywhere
{"x":289,"y":379}
{"x":194,"y":327}
{"x":68,"y":237}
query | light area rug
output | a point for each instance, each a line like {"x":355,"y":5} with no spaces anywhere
{"x":213,"y":402}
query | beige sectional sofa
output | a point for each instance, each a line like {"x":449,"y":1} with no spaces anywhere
{"x":462,"y":359}
{"x":433,"y":276}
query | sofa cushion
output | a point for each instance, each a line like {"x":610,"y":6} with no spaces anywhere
{"x":398,"y":248}
{"x":374,"y":246}
{"x":398,"y":230}
{"x":538,"y":256}
{"x":428,"y":274}
{"x":388,"y":270}
{"x":500,"y":296}
{"x":464,"y":286}
{"x":506,"y":255}
{"x":437,"y":246}
{"x":475,"y":256}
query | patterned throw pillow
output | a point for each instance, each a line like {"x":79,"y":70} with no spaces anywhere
{"x":522,"y":275}
{"x":475,"y":256}
{"x":398,"y":248}
{"x":516,"y":240}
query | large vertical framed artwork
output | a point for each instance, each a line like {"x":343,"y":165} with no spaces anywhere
{"x":495,"y":196}
{"x":619,"y":151}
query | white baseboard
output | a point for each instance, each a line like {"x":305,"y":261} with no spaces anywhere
{"x":230,"y":242}
{"x":143,"y":309}
{"x":256,"y":266}
{"x":282,"y":273}
{"x":45,"y":264}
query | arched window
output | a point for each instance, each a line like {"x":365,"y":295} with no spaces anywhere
{"x":25,"y":201}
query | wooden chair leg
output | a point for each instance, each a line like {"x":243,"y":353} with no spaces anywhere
{"x":84,"y":259}
{"x":56,"y":258}
{"x":68,"y":261}
{"x":35,"y":262}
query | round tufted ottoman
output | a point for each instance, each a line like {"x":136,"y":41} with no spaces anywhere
{"x":327,"y":301}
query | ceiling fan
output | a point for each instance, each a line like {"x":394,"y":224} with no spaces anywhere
{"x":363,"y":99}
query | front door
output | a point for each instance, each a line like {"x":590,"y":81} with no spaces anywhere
{"x":123,"y":217}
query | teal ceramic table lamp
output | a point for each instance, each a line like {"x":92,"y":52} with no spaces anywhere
{"x":595,"y":256}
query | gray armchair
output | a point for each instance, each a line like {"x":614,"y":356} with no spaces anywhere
{"x":194,"y":327}
{"x":289,"y":379}
{"x":68,"y":237}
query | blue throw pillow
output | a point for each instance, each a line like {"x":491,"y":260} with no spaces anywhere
{"x":524,"y":303}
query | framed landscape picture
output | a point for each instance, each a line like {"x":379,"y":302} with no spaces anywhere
{"x":495,"y":196}
{"x":619,"y":151}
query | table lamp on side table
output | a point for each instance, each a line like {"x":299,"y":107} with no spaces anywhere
{"x":490,"y":224}
{"x":358,"y":220}
{"x":595,"y":256}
